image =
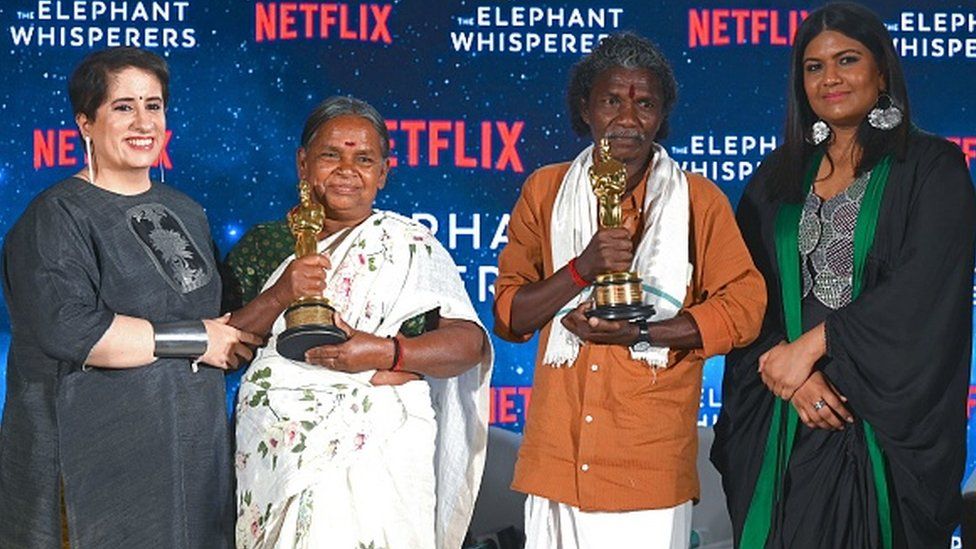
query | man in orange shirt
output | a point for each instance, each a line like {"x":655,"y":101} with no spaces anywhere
{"x":608,"y":458}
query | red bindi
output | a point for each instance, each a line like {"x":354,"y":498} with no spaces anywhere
{"x":350,"y":143}
{"x":633,"y":91}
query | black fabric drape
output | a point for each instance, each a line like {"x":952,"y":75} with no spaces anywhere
{"x":900,"y":353}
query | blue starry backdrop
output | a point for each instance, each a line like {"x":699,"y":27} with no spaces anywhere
{"x":474,"y":92}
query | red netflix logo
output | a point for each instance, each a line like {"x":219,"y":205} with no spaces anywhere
{"x":489,"y":145}
{"x":971,"y":401}
{"x":448,"y":142}
{"x":59,"y":148}
{"x":311,"y":20}
{"x":968,"y":146}
{"x":503,"y":404}
{"x":719,"y":27}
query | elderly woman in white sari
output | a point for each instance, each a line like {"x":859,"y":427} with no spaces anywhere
{"x":379,"y":441}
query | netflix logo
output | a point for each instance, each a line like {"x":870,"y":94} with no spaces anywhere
{"x":63,"y":147}
{"x":729,"y":27}
{"x":968,"y":146}
{"x":322,"y":21}
{"x":508,"y":405}
{"x":488,"y":145}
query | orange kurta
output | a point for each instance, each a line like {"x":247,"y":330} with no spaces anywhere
{"x":610,"y":433}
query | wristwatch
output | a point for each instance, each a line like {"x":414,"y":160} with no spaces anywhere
{"x":643,"y":341}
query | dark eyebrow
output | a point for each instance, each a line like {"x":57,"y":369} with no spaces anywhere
{"x":836,"y":55}
{"x":122,"y":99}
{"x":845,"y":52}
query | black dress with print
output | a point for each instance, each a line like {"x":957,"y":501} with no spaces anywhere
{"x":143,"y":454}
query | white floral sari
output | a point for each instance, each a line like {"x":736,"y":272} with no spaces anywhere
{"x":325,"y":459}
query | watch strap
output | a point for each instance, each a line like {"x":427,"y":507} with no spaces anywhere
{"x":643,"y":334}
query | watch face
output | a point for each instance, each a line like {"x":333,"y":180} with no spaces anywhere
{"x":641,"y":346}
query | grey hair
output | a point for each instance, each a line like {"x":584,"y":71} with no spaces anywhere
{"x":337,"y":106}
{"x":624,"y":50}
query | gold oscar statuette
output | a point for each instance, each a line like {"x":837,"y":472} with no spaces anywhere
{"x":619,"y":295}
{"x":308,"y":320}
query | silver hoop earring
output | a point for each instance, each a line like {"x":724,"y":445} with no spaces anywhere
{"x":819,"y":133}
{"x":885,"y":115}
{"x":89,"y":158}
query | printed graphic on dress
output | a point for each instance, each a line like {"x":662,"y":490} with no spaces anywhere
{"x":164,"y":237}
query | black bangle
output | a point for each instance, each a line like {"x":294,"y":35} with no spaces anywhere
{"x":182,"y":339}
{"x":396,"y":354}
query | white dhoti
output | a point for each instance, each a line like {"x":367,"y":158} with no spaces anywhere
{"x":554,"y":525}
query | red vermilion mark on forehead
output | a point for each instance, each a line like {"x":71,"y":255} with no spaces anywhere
{"x":350,"y":143}
{"x":633,"y":91}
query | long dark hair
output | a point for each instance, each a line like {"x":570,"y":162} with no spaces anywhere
{"x":861,"y":24}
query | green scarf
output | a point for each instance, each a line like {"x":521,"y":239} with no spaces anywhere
{"x":779,"y":443}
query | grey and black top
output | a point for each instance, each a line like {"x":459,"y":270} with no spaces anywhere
{"x":143,"y":454}
{"x":826,"y":239}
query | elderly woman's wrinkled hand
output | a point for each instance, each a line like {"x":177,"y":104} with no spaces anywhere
{"x":386,"y":377}
{"x":304,"y":277}
{"x":361,"y":352}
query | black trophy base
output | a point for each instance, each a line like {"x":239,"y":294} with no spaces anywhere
{"x":293,"y":342}
{"x":639,"y":311}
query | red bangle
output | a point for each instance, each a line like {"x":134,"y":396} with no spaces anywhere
{"x":577,"y":277}
{"x":397,"y":355}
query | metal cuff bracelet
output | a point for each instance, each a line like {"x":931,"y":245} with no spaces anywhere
{"x":182,"y":339}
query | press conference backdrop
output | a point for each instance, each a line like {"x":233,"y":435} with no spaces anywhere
{"x":474,"y":96}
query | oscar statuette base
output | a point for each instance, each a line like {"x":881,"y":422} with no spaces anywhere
{"x":293,"y":342}
{"x":622,"y":312}
{"x":619,"y":296}
{"x":309,"y":325}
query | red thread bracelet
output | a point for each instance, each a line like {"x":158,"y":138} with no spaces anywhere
{"x":577,"y":277}
{"x":397,"y":355}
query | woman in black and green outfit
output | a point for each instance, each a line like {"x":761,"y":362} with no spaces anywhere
{"x":844,"y":424}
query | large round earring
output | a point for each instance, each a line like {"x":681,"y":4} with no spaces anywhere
{"x":89,"y":158}
{"x":819,"y":133}
{"x":885,"y":115}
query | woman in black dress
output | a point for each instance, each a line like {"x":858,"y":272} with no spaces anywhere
{"x":844,"y":424}
{"x":114,"y":431}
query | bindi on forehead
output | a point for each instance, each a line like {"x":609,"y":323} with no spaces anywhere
{"x":350,"y":143}
{"x":633,"y":91}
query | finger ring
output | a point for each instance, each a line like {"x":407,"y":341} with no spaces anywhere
{"x":819,"y":404}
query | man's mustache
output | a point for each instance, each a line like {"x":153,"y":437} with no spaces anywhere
{"x":625,"y":134}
